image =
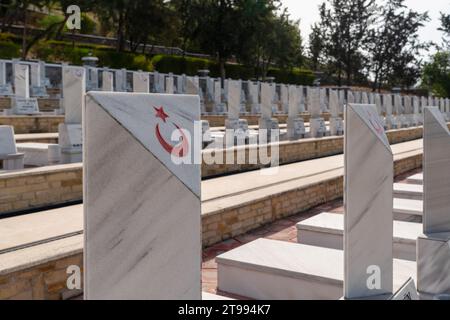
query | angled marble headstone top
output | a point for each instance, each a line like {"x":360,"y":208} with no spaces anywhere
{"x":294,"y":100}
{"x":21,"y":80}
{"x":436,"y":163}
{"x":74,"y":88}
{"x":334,"y":104}
{"x":234,"y":98}
{"x":7,"y":141}
{"x":266,"y":100}
{"x":152,"y":119}
{"x":314,"y":102}
{"x":141,"y":82}
{"x":368,"y":228}
{"x":142,"y":216}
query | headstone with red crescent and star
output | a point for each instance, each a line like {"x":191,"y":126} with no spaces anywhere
{"x":141,"y":206}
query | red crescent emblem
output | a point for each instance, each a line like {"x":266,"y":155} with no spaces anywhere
{"x":181,"y":149}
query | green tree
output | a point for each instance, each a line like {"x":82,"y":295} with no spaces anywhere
{"x":316,"y":46}
{"x":436,"y":74}
{"x":345,"y":25}
{"x":394,"y":46}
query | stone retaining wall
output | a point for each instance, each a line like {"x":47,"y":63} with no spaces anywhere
{"x":35,"y":124}
{"x":41,"y":187}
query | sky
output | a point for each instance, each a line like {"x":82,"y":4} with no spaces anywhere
{"x":308,"y":13}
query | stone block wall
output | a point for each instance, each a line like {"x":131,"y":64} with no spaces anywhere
{"x":40,"y":187}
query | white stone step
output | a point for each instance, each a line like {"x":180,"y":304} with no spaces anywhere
{"x":416,"y":179}
{"x":210,"y":296}
{"x":408,"y":191}
{"x":327,"y":229}
{"x":268,"y":269}
{"x":408,"y":210}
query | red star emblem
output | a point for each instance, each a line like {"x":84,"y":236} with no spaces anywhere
{"x":160,"y":113}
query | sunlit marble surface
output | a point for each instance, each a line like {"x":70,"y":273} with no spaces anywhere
{"x":436,"y":172}
{"x":433,"y":263}
{"x":234,"y":98}
{"x":21,"y":80}
{"x":368,"y":203}
{"x":141,"y":82}
{"x":142,"y":214}
{"x":74,"y":88}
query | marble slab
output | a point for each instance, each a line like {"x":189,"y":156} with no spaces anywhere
{"x":269,"y":269}
{"x":141,"y":83}
{"x":408,"y":191}
{"x":294,"y":101}
{"x":21,"y":80}
{"x":142,"y":212}
{"x":433,"y":263}
{"x":367,"y":201}
{"x":7,"y":140}
{"x":313,"y":96}
{"x":436,"y":172}
{"x":121,"y":80}
{"x":415,"y":179}
{"x":107,"y":81}
{"x":266,"y":100}
{"x":74,"y":88}
{"x":327,"y":230}
{"x":170,"y":85}
{"x":408,"y":210}
{"x":234,"y":99}
{"x":334,"y":104}
{"x":25,"y":106}
{"x":192,"y":85}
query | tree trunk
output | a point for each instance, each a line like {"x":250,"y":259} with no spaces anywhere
{"x":24,"y":31}
{"x":222,"y":69}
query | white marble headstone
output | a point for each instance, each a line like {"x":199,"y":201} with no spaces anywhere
{"x":121,"y":80}
{"x":21,"y":80}
{"x":192,"y":85}
{"x":234,"y":99}
{"x":107,"y":81}
{"x":7,"y":140}
{"x":141,"y":209}
{"x":74,"y":88}
{"x":334,"y":104}
{"x":350,"y":97}
{"x":2,"y":73}
{"x":294,"y":100}
{"x":436,"y":165}
{"x":266,"y":100}
{"x":141,"y":82}
{"x":368,"y":205}
{"x":314,"y":102}
{"x":170,"y":85}
{"x":35,"y":74}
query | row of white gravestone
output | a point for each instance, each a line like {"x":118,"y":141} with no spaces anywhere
{"x":400,"y":111}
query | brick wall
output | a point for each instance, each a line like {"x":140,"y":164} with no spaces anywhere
{"x":35,"y":188}
{"x":35,"y":124}
{"x":45,"y":281}
{"x":47,"y":104}
{"x":227,"y":223}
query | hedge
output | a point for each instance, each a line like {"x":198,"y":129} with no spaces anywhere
{"x":190,"y":66}
{"x":63,"y":51}
{"x":9,"y":46}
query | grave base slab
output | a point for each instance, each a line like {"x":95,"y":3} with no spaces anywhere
{"x":269,"y":269}
{"x":433,"y":263}
{"x":327,"y":229}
